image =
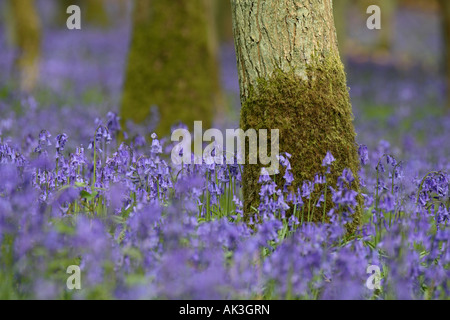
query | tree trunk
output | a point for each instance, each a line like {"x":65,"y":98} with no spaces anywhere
{"x":7,"y":22}
{"x":292,"y":79}
{"x":224,"y":23}
{"x":171,"y":64}
{"x":445,"y":8}
{"x":340,"y":16}
{"x":96,"y":12}
{"x":387,"y":32}
{"x":93,"y":12}
{"x":27,"y":38}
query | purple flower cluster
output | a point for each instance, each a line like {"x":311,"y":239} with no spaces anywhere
{"x":140,"y":227}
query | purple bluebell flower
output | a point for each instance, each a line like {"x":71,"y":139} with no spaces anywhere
{"x":363,"y":154}
{"x":328,"y":160}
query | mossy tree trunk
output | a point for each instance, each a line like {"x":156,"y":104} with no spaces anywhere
{"x":445,"y":9}
{"x":292,"y":79}
{"x":26,"y":34}
{"x":171,"y":64}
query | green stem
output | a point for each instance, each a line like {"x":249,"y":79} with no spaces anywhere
{"x":325,"y":200}
{"x":94,"y":178}
{"x":309,"y":208}
{"x":295,"y":212}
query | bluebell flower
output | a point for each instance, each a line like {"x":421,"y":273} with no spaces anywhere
{"x":328,"y":160}
{"x":363,"y":154}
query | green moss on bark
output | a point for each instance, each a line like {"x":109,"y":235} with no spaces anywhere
{"x":314,"y":116}
{"x":171,"y":64}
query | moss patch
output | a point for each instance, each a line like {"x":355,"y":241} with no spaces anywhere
{"x":313,"y":115}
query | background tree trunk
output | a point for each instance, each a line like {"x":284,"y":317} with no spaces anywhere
{"x":445,"y":8}
{"x":93,"y":12}
{"x":26,"y":36}
{"x":224,"y":23}
{"x":171,"y":64}
{"x":341,"y":8}
{"x":387,"y":32}
{"x":96,"y":12}
{"x":292,"y":79}
{"x":7,"y":22}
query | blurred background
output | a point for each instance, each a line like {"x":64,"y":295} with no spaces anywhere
{"x":62,"y":80}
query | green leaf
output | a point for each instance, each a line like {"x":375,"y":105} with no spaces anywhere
{"x":80,"y":184}
{"x":88,"y":196}
{"x":118,"y":219}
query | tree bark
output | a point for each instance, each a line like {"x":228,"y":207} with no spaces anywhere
{"x":27,"y":33}
{"x":292,"y":79}
{"x":171,"y":64}
{"x":445,"y":8}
